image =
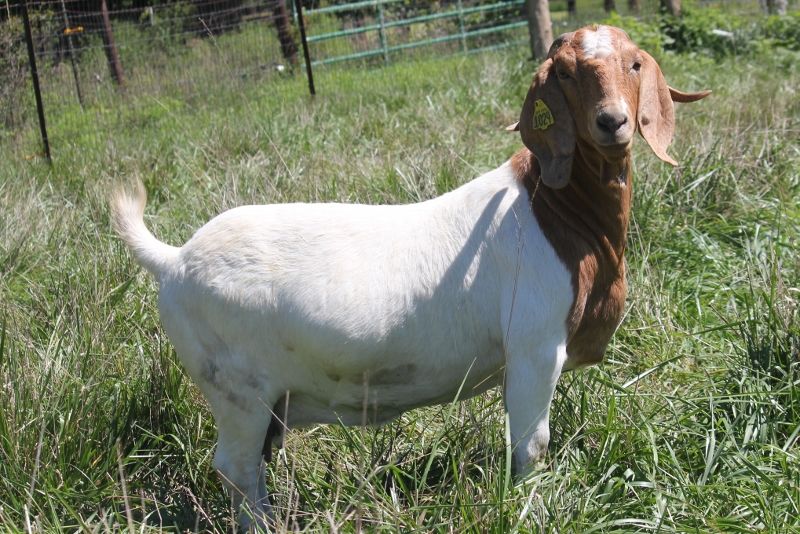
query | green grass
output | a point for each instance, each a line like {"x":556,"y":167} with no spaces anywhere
{"x":691,"y":425}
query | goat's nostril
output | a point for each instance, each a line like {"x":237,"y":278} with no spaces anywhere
{"x":611,"y":122}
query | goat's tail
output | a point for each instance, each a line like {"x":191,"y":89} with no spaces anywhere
{"x":127,"y":217}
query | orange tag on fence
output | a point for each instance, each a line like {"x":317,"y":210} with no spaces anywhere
{"x":542,"y":117}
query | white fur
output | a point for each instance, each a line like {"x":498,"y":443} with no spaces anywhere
{"x":349,"y":307}
{"x":623,"y":106}
{"x":597,"y":44}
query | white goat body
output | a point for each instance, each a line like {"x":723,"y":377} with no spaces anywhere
{"x":331,"y":302}
{"x":357,"y":313}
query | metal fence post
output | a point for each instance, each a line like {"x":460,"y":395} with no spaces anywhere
{"x":35,"y":78}
{"x":309,"y":73}
{"x":71,"y":50}
{"x":382,"y":32}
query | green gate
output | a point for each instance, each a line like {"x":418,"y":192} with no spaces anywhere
{"x":376,"y":32}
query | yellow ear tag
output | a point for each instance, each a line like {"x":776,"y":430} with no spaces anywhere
{"x":542,"y":118}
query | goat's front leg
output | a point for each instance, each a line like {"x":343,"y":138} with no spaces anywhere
{"x":531,"y":376}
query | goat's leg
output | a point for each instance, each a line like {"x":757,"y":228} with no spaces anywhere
{"x":241,"y":412}
{"x":531,"y":377}
{"x":238,"y":460}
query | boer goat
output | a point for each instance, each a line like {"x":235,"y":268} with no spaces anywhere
{"x":508,"y":280}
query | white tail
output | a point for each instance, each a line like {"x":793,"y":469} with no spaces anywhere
{"x":127,"y":216}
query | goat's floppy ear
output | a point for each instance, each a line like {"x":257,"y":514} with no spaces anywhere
{"x":547,"y":128}
{"x":656,"y":113}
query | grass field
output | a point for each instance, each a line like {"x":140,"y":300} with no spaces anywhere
{"x":691,"y":424}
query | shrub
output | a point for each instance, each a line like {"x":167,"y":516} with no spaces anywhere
{"x":783,"y":30}
{"x":710,"y":31}
{"x":647,"y":36}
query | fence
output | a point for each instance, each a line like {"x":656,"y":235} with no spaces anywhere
{"x":461,"y":21}
{"x":104,"y":64}
{"x":99,"y":59}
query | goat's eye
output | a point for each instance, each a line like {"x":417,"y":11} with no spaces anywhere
{"x":636,"y":66}
{"x":562,"y":74}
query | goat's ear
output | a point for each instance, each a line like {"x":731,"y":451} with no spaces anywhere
{"x":547,"y":127}
{"x":656,"y":113}
{"x":680,"y":96}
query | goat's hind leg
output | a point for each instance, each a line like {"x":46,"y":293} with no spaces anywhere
{"x":241,"y":406}
{"x":238,"y":460}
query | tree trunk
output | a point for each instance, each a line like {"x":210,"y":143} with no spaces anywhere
{"x":609,"y":5}
{"x":540,"y":28}
{"x":571,"y":9}
{"x":776,"y":7}
{"x":673,"y":7}
{"x":283,"y":25}
{"x":110,"y":49}
{"x":635,"y":6}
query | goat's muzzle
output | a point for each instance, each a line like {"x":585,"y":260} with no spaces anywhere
{"x":612,"y":129}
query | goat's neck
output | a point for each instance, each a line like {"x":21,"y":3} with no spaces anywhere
{"x":586,"y":222}
{"x":592,"y":211}
{"x":600,"y":192}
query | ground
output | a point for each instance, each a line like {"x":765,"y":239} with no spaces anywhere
{"x":690,"y":425}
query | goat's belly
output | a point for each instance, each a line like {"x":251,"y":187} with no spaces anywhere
{"x":352,"y":382}
{"x":382,"y":394}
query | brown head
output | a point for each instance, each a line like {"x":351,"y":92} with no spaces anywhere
{"x":595,"y":90}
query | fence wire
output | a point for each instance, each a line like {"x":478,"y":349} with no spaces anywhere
{"x":97,"y":60}
{"x":105,"y":63}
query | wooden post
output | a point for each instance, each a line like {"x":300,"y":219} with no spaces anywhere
{"x":110,"y":48}
{"x":280,"y":17}
{"x":634,"y":6}
{"x":540,"y":28}
{"x":571,"y":8}
{"x":35,"y":79}
{"x":776,"y":7}
{"x":309,"y":73}
{"x":71,"y":51}
{"x":609,"y":5}
{"x":673,"y":7}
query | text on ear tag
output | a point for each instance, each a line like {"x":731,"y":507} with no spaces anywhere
{"x":542,"y":118}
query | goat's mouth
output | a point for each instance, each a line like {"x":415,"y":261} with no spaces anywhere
{"x":618,"y":138}
{"x":615,"y":150}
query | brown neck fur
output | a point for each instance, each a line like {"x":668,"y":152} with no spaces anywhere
{"x":586,"y":222}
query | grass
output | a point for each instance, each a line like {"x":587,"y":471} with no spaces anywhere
{"x":691,"y":424}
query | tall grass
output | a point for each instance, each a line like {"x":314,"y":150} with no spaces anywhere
{"x":691,"y":425}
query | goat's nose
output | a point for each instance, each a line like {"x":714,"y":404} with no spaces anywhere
{"x":611,"y":121}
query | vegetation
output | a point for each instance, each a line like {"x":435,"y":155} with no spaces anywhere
{"x":691,"y":425}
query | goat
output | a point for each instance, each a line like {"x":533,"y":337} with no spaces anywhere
{"x":508,"y":280}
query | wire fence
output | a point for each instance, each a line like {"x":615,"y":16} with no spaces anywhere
{"x":95,"y":58}
{"x":105,"y":64}
{"x":98,"y":58}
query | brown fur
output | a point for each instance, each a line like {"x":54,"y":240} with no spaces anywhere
{"x":580,"y":188}
{"x":586,"y":223}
